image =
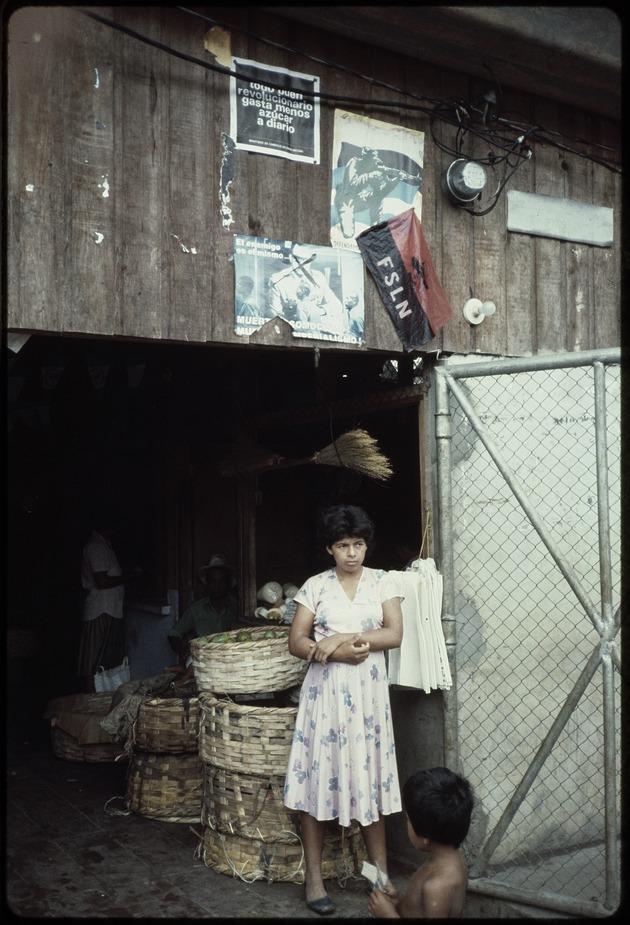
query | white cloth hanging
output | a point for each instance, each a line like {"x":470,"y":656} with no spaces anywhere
{"x":421,"y":661}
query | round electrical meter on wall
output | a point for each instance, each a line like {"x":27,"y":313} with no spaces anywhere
{"x":464,"y":180}
{"x":473,"y":176}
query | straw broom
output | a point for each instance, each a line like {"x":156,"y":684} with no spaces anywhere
{"x":358,"y":451}
{"x":355,"y":450}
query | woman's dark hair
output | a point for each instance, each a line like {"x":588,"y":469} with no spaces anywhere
{"x":439,"y":804}
{"x":345,"y":520}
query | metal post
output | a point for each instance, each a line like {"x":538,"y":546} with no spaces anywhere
{"x":443,"y":435}
{"x":608,"y":674}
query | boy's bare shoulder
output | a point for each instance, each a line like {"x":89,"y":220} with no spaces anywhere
{"x":436,"y":890}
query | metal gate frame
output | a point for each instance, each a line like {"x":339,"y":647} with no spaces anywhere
{"x":606,"y":622}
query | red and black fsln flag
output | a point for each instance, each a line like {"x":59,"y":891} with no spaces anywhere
{"x":398,"y":258}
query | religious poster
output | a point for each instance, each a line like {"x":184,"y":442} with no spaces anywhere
{"x":317,"y":290}
{"x":273,"y":111}
{"x":398,"y":258}
{"x":376,"y":174}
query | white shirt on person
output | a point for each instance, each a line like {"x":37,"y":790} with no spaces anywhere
{"x":99,"y":556}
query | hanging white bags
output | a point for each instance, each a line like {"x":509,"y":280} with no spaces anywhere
{"x":112,"y":678}
{"x":421,"y":661}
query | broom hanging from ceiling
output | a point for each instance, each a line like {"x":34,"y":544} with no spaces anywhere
{"x":355,"y":450}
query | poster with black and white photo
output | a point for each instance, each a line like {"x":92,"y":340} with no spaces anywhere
{"x":317,"y":290}
{"x":377,"y":173}
{"x":273,"y":111}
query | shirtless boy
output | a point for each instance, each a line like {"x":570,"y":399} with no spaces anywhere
{"x":439,"y":805}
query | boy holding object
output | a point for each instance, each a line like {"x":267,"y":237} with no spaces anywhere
{"x":439,"y":805}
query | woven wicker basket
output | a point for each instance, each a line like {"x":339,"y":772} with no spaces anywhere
{"x":99,"y":702}
{"x":245,"y":804}
{"x":250,"y":739}
{"x":259,"y":666}
{"x":165,"y":787}
{"x":80,"y":738}
{"x":167,"y":725}
{"x":256,"y":859}
{"x":67,"y":746}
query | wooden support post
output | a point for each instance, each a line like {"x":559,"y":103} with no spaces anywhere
{"x":247,"y":545}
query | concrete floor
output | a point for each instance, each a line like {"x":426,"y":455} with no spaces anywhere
{"x":66,"y":856}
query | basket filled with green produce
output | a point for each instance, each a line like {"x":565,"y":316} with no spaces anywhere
{"x":246,"y":661}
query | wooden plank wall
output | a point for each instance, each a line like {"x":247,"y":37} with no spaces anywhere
{"x":114,"y":221}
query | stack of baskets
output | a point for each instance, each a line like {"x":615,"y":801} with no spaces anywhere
{"x":248,"y":832}
{"x":165,"y":775}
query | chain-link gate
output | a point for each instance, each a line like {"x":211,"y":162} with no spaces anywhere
{"x":529,"y":496}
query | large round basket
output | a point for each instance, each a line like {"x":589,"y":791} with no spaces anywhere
{"x":257,"y":859}
{"x":244,"y":804}
{"x":250,"y":739}
{"x":262,"y":665}
{"x":165,"y":787}
{"x":99,"y":702}
{"x":167,"y":724}
{"x":66,"y":746}
{"x":75,"y":727}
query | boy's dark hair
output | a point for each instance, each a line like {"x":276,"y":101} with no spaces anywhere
{"x":439,"y":804}
{"x":345,"y":520}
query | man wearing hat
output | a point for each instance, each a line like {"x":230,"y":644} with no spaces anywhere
{"x":213,"y":613}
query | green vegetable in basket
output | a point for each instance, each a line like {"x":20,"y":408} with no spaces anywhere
{"x":221,"y":637}
{"x":269,"y":634}
{"x":243,"y":636}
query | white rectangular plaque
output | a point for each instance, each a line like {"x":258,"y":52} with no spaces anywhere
{"x":566,"y":219}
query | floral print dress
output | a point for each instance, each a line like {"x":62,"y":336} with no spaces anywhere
{"x":342,"y":763}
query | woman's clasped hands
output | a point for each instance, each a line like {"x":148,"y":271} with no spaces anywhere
{"x":347,"y":647}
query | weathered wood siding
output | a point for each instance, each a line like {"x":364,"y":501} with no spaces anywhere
{"x":114,"y":222}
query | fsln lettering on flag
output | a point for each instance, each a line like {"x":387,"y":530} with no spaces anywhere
{"x":398,"y":258}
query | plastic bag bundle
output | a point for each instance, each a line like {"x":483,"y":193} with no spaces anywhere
{"x":421,"y":661}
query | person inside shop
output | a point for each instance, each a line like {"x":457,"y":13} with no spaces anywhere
{"x":342,"y":763}
{"x":215,"y":612}
{"x":102,"y":641}
{"x":438,"y":804}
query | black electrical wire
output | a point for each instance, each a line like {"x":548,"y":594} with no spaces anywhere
{"x":309,"y":57}
{"x":499,"y":142}
{"x":455,"y":112}
{"x":502,"y":142}
{"x":314,"y":94}
{"x":460,"y":104}
{"x":495,"y":195}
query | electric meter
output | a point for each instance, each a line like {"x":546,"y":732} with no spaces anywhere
{"x":463,"y":181}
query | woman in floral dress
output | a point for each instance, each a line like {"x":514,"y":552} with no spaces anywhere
{"x":342,"y":763}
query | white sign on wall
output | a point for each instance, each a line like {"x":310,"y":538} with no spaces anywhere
{"x":565,"y":219}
